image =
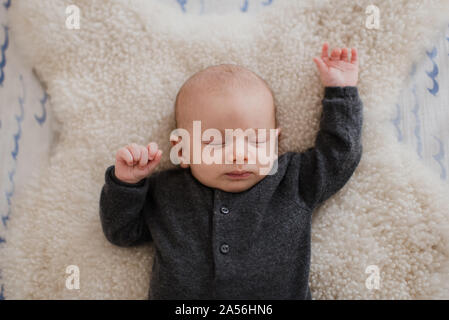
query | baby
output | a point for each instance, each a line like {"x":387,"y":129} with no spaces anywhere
{"x":228,"y":229}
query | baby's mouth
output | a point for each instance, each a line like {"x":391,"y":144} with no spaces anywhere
{"x":238,"y":174}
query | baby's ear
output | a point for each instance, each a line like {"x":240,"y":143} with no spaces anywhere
{"x":174,"y":140}
{"x":184,"y":165}
{"x":278,"y":131}
{"x":279,"y":135}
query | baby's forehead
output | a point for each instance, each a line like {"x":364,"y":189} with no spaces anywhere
{"x":216,"y":82}
{"x":221,"y":79}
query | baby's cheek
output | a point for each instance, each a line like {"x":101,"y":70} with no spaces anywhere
{"x":207,"y":171}
{"x":252,"y":153}
{"x":266,"y":157}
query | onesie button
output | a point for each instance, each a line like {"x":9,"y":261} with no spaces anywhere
{"x":224,"y":210}
{"x":224,"y":248}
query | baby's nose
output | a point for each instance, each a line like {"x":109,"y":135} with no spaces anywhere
{"x":239,"y":152}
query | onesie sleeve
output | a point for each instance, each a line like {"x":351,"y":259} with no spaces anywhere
{"x":122,"y":210}
{"x":325,"y":168}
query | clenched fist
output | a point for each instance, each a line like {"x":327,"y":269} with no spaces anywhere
{"x":134,"y":162}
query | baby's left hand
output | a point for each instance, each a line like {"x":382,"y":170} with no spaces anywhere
{"x":337,"y":70}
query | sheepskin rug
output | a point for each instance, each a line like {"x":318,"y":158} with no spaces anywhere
{"x":114,"y":81}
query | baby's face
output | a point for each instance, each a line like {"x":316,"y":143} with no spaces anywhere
{"x":232,"y":108}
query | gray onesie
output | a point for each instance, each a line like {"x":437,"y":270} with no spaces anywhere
{"x":255,"y":244}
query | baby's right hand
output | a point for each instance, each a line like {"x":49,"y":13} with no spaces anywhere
{"x":134,"y":162}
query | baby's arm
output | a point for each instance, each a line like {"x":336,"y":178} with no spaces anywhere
{"x":325,"y":168}
{"x":122,"y":201}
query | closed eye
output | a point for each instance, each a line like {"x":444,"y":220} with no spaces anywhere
{"x":258,"y":142}
{"x":216,"y":144}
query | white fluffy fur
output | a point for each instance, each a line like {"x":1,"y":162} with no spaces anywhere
{"x":114,"y":82}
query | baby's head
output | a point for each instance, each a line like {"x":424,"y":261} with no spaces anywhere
{"x":223,"y":97}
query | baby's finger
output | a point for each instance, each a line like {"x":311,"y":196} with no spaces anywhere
{"x":152,"y":150}
{"x":155,"y":162}
{"x":125,"y":155}
{"x":320,"y":64}
{"x":335,"y":55}
{"x":324,"y":51}
{"x":344,"y":54}
{"x":135,"y":151}
{"x":143,"y":157}
{"x":354,"y":56}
